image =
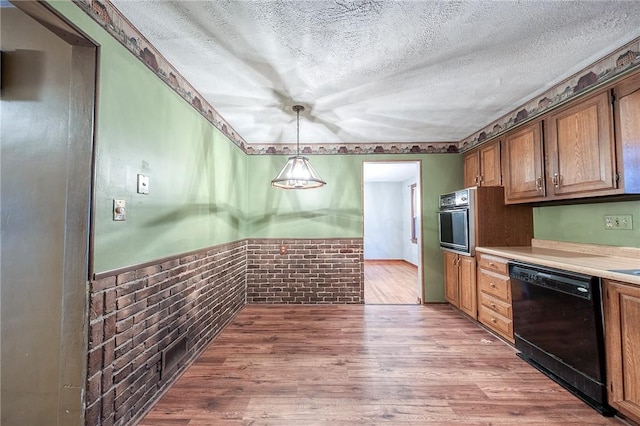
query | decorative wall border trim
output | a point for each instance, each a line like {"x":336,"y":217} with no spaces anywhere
{"x":622,"y":60}
{"x":338,"y":149}
{"x":619,"y":62}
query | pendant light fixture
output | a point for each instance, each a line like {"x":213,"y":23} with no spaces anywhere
{"x":298,"y":173}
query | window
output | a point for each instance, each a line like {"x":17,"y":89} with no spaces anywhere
{"x":414,"y":213}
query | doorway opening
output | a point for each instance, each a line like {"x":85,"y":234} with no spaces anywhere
{"x":392,"y":232}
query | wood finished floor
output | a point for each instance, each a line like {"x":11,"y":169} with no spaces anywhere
{"x":390,"y":282}
{"x":363,"y":365}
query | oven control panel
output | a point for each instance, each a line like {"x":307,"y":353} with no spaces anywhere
{"x":455,"y":199}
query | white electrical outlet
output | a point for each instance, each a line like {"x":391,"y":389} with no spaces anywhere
{"x":621,"y":221}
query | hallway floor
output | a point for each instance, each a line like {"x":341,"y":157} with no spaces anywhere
{"x":363,"y":365}
{"x":393,"y":282}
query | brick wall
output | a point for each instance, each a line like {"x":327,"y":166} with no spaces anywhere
{"x":136,"y":314}
{"x":311,"y":271}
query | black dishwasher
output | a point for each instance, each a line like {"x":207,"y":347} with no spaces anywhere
{"x":557,"y":323}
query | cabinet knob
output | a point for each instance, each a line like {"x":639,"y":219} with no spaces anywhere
{"x":493,"y":305}
{"x":492,"y":285}
{"x":539,"y":183}
{"x":493,"y":320}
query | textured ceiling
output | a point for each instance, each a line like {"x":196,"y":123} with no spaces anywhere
{"x":377,"y":71}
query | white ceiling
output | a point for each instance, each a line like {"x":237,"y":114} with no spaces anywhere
{"x":377,"y":71}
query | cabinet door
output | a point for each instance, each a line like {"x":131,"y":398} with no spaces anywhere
{"x":471,"y":169}
{"x":467,"y":286}
{"x":582,"y":149}
{"x":451,"y":278}
{"x":524,"y":165}
{"x":490,"y":172}
{"x":628,"y":134}
{"x":621,"y":319}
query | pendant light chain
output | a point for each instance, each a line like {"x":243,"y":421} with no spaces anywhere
{"x":298,"y":131}
{"x":297,"y":109}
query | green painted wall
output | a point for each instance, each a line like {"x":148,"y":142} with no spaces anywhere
{"x":335,"y":210}
{"x":197,"y":176}
{"x":204,"y":190}
{"x":584,"y":223}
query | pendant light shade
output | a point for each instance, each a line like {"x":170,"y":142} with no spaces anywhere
{"x":297,"y":173}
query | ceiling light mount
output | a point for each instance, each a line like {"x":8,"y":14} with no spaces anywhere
{"x":297,"y":173}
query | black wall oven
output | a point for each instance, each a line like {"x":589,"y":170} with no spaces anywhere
{"x":456,"y":222}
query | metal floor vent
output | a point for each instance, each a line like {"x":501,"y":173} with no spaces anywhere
{"x":172,"y":355}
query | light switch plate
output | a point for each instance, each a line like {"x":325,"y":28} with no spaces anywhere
{"x":143,"y":184}
{"x":119,"y":210}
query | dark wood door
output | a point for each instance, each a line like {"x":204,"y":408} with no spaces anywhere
{"x":46,"y":144}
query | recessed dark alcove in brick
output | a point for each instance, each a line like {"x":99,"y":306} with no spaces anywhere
{"x":172,"y":356}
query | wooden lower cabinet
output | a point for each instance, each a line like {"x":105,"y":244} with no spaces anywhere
{"x":460,"y":282}
{"x":622,"y":346}
{"x":494,"y":295}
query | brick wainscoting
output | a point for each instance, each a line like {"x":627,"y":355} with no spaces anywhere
{"x":136,"y":314}
{"x":307,"y":271}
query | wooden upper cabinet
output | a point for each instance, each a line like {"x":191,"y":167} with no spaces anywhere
{"x":490,"y":172}
{"x":524,"y":178}
{"x":581,"y":149}
{"x":482,"y":166}
{"x":628,"y":134}
{"x":471,"y":169}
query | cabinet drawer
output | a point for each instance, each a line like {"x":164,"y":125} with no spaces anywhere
{"x":493,"y":263}
{"x":496,"y":285}
{"x":496,"y":322}
{"x":496,"y":305}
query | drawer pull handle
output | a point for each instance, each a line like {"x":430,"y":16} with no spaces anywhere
{"x":493,"y":305}
{"x":492,"y":264}
{"x":493,"y":320}
{"x":492,"y":285}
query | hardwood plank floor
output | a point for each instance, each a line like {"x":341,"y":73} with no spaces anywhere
{"x":363,"y":365}
{"x":390,"y":282}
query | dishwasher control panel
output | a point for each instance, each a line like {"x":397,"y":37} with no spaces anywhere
{"x":554,"y":279}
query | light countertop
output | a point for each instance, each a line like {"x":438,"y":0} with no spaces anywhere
{"x":590,"y":259}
